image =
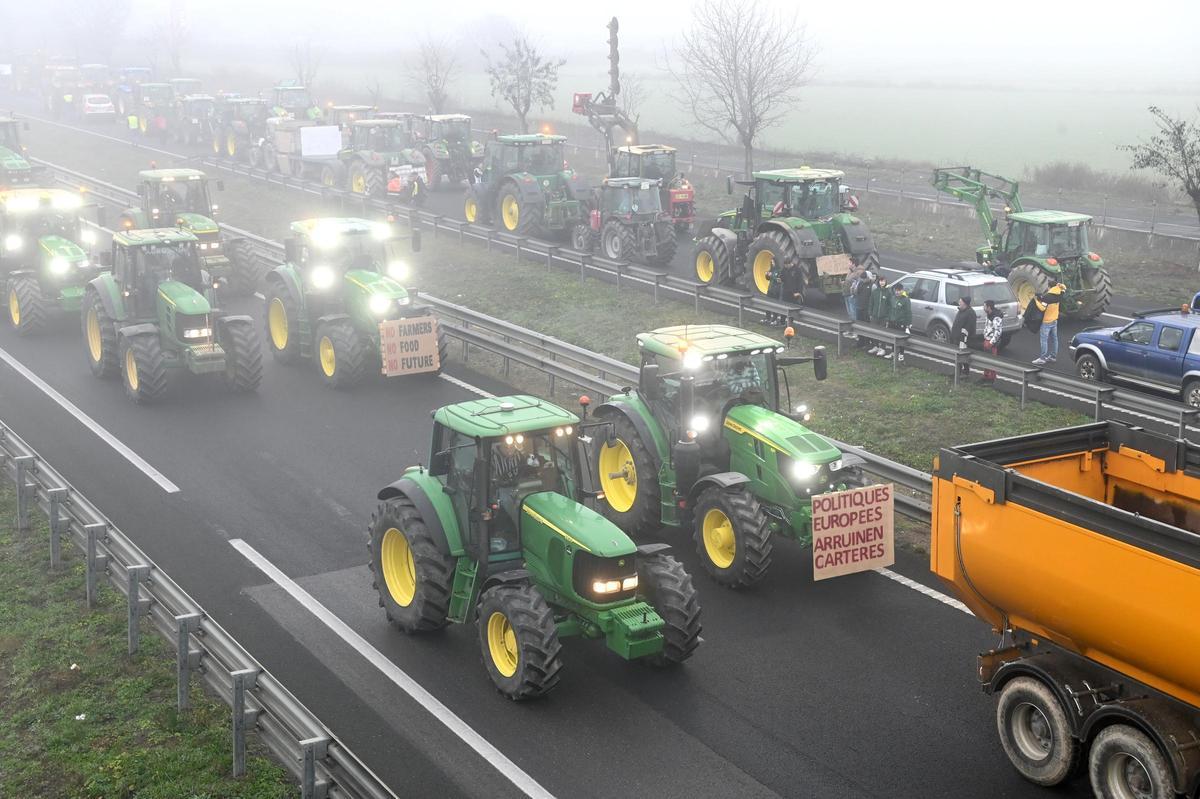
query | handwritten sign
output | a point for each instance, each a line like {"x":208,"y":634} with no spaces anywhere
{"x":409,"y":346}
{"x":853,"y":531}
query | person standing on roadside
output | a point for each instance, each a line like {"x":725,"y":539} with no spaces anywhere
{"x":878,"y":309}
{"x":962,"y":329}
{"x":862,"y":302}
{"x":993,"y":333}
{"x":1048,"y":333}
{"x":899,"y":316}
{"x":849,"y":294}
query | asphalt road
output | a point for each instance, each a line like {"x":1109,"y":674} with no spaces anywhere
{"x":858,"y":686}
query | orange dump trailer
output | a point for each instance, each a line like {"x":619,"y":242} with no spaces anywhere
{"x":1081,"y":548}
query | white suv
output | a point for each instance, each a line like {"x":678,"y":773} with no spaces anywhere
{"x":934,"y":296}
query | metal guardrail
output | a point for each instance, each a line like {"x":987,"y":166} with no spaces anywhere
{"x":322,"y":765}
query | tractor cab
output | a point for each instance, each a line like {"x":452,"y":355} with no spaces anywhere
{"x":344,"y":115}
{"x":15,"y":169}
{"x":805,"y":193}
{"x":175,"y":195}
{"x":657,"y":162}
{"x":294,"y":101}
{"x":41,"y":227}
{"x":181,"y":87}
{"x":631,"y":198}
{"x":10,"y":134}
{"x":133,"y":76}
{"x":335,"y":254}
{"x":450,"y":128}
{"x":155,"y":95}
{"x":1057,"y":235}
{"x":197,"y":107}
{"x":378,"y":135}
{"x":143,"y":260}
{"x":537,"y":154}
{"x":248,"y":110}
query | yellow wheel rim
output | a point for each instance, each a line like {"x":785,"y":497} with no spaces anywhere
{"x":763,"y":262}
{"x":704,"y":266}
{"x":216,"y":145}
{"x":358,"y":183}
{"x":1025,"y":293}
{"x":14,"y":307}
{"x":510,"y":212}
{"x":328,"y":357}
{"x":277,"y":324}
{"x":94,"y":341}
{"x":231,"y":145}
{"x":719,"y":542}
{"x":470,"y":210}
{"x":399,"y":568}
{"x":142,"y":125}
{"x":618,"y":476}
{"x":327,"y":177}
{"x":502,"y":644}
{"x":131,"y":374}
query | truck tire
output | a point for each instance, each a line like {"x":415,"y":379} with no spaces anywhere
{"x":770,"y":253}
{"x":519,"y":641}
{"x":243,"y":356}
{"x":1096,"y":302}
{"x":667,"y":246}
{"x":1034,"y":732}
{"x":733,"y":537}
{"x":283,"y":324}
{"x":341,"y":354}
{"x":143,"y":368}
{"x":28,"y":312}
{"x":1088,"y":367}
{"x":666,"y":585}
{"x":629,"y":480}
{"x":99,"y":336}
{"x":711,"y":261}
{"x":582,"y":238}
{"x":243,"y":267}
{"x":1027,"y":281}
{"x":1124,"y":762}
{"x":413,"y":577}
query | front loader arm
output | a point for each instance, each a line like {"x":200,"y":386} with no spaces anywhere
{"x":976,"y":187}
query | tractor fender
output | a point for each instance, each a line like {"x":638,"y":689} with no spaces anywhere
{"x":106,"y":288}
{"x":721,"y":480}
{"x":856,"y":237}
{"x":646,"y":550}
{"x":442,"y":524}
{"x":30,"y":273}
{"x":508,"y":576}
{"x":638,"y":420}
{"x":807,"y":243}
{"x":285,"y":277}
{"x":726,"y":237}
{"x":527,"y":190}
{"x":224,"y":320}
{"x":333,"y":317}
{"x":143,"y":329}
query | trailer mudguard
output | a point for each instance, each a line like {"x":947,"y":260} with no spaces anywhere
{"x":434,"y":505}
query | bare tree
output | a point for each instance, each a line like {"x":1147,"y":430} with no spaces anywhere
{"x":432,"y":69}
{"x":632,"y":96}
{"x":522,"y":77}
{"x":1173,"y":152}
{"x":374,"y":91}
{"x":739,"y":67}
{"x":306,"y":62}
{"x":174,"y":34}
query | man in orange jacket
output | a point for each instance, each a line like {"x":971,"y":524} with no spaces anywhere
{"x":1048,"y":304}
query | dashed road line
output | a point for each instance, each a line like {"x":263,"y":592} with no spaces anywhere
{"x":924,"y":589}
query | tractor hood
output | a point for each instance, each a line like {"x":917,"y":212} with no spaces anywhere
{"x":373,"y":284}
{"x":195,"y":223}
{"x":780,"y":433}
{"x":184,"y":298}
{"x":11,"y":159}
{"x":58,"y":247}
{"x":577,"y":524}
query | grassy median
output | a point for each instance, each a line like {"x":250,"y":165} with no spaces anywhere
{"x":81,"y":718}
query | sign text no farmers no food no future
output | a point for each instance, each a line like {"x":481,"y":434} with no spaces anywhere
{"x":853,"y":531}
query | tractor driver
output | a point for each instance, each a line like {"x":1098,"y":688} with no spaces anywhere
{"x":511,"y":472}
{"x":742,"y":376}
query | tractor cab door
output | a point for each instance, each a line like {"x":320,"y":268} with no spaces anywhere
{"x":456,"y":461}
{"x":770,"y":196}
{"x":624,"y":166}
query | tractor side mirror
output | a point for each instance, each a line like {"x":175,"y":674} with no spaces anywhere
{"x":729,"y":184}
{"x":291,"y":251}
{"x":220,"y":185}
{"x":820,"y":365}
{"x":650,"y":383}
{"x":101,"y":216}
{"x":439,"y":464}
{"x":416,"y":241}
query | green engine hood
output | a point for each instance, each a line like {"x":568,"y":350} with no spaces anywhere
{"x":58,"y":247}
{"x":183,"y":297}
{"x":11,"y":159}
{"x":780,"y":433}
{"x":373,"y":283}
{"x":578,"y":524}
{"x":196,"y":223}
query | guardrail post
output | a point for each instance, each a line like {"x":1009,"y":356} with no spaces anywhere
{"x":585,"y":261}
{"x":742,"y":311}
{"x":1102,"y":395}
{"x":95,"y":562}
{"x":186,"y":658}
{"x":520,"y":244}
{"x":466,"y":346}
{"x":23,"y":463}
{"x":490,"y":234}
{"x":137,"y":607}
{"x":1024,"y":385}
{"x":313,"y":749}
{"x":1184,"y":417}
{"x":507,"y":360}
{"x":698,"y":288}
{"x":551,"y":254}
{"x":436,"y":219}
{"x":897,"y":346}
{"x":552,"y":376}
{"x":57,"y":496}
{"x":620,"y":273}
{"x":243,"y":680}
{"x":845,"y":328}
{"x":658,"y":278}
{"x":462,"y":232}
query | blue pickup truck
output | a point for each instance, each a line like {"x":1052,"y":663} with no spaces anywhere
{"x":1158,"y":350}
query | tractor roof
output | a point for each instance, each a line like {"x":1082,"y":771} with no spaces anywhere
{"x":705,"y":339}
{"x":630,"y":183}
{"x":29,"y":199}
{"x":646,"y":149}
{"x":333,"y":225}
{"x":530,"y":138}
{"x":448,"y":117}
{"x":352,"y":107}
{"x":170,"y":175}
{"x":245,"y":100}
{"x":176,"y":81}
{"x":804,"y":173}
{"x":502,"y":416}
{"x":1049,"y":217}
{"x":198,"y":96}
{"x":162,"y":235}
{"x":375,"y":123}
{"x":156,"y":85}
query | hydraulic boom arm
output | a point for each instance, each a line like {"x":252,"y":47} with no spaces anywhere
{"x":977,"y":187}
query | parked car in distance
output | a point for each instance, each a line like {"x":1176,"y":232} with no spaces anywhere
{"x":934,"y":295}
{"x":1159,"y":350}
{"x":98,"y":107}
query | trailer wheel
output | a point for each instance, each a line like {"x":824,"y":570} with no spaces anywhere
{"x":629,"y":480}
{"x":1034,"y":732}
{"x":666,"y":585}
{"x":1125,"y":764}
{"x":519,"y":640}
{"x":412,"y":575}
{"x":243,"y":356}
{"x":27,"y":311}
{"x":341,"y":354}
{"x":143,"y":368}
{"x":733,"y":537}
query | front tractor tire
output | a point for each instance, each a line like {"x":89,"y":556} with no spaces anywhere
{"x":244,"y":272}
{"x":475,"y":209}
{"x":519,"y":641}
{"x":1099,"y":294}
{"x":733,"y":537}
{"x":283,"y":324}
{"x":1028,"y":281}
{"x":769,"y":255}
{"x":243,"y":356}
{"x":28,"y":312}
{"x":711,"y":260}
{"x":99,"y":336}
{"x":666,"y":585}
{"x":413,"y":577}
{"x":629,"y":480}
{"x":143,"y":367}
{"x":341,"y":354}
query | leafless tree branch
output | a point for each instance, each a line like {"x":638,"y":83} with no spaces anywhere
{"x":1174,"y":152}
{"x":431,"y":71}
{"x":522,"y":77}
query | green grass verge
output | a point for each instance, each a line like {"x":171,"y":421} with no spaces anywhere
{"x":81,"y":718}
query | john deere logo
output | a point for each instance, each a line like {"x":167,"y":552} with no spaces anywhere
{"x":621,"y":562}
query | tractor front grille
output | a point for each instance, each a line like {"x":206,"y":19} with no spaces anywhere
{"x":588,"y":569}
{"x":192,"y":322}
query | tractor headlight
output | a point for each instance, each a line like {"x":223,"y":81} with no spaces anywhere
{"x":381,"y":231}
{"x":13,"y":242}
{"x":804,"y":471}
{"x":803,"y":413}
{"x":835,"y":466}
{"x":379,"y":304}
{"x":613,"y":586}
{"x":403,"y":300}
{"x":699,"y":423}
{"x":197,"y":332}
{"x":692,"y":360}
{"x":59,"y":266}
{"x":87,"y":236}
{"x":398,"y":270}
{"x":322,"y":277}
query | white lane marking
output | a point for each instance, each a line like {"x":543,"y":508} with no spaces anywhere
{"x":926,"y":590}
{"x":259,"y":295}
{"x":466,"y":386}
{"x":90,"y":423}
{"x":525,"y":783}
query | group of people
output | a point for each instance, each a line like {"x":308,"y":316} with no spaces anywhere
{"x":966,"y":321}
{"x":869,"y":299}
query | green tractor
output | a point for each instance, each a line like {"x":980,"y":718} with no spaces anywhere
{"x":379,"y":162}
{"x":706,"y":440}
{"x":44,"y":264}
{"x":1037,"y":248}
{"x":180,"y":197}
{"x":238,"y":125}
{"x":154,"y":106}
{"x":790,"y":219}
{"x":628,"y":223}
{"x":498,"y":530}
{"x":525,"y":185}
{"x":338,"y":299}
{"x":448,"y":148}
{"x":15,"y":169}
{"x":290,"y":99}
{"x":157,"y":311}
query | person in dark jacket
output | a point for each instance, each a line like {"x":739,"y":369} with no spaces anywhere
{"x":962,"y":329}
{"x":862,"y":298}
{"x":993,"y":334}
{"x":878,"y":307}
{"x":899,"y":315}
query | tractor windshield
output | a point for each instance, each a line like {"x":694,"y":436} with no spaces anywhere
{"x":452,"y":130}
{"x":543,"y":159}
{"x":297,"y":98}
{"x":358,"y":251}
{"x":532,"y":462}
{"x":814,"y":200}
{"x":386,"y":138}
{"x":9,"y":137}
{"x":249,"y":111}
{"x":156,"y":95}
{"x":626,"y":200}
{"x":94,"y":73}
{"x":1069,"y":240}
{"x":199,"y":108}
{"x":164,"y":261}
{"x":658,"y":166}
{"x":51,"y":223}
{"x":183,"y":196}
{"x":738,"y":376}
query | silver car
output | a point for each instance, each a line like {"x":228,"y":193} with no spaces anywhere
{"x":934,"y":296}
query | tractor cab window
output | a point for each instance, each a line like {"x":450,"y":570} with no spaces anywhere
{"x":156,"y":95}
{"x":1069,"y":240}
{"x":525,"y":464}
{"x":452,"y":130}
{"x":622,"y":165}
{"x":380,"y":138}
{"x":199,"y":108}
{"x":772,"y":199}
{"x":543,"y":159}
{"x":151,"y":264}
{"x":182,"y":196}
{"x":293,"y":98}
{"x":658,"y":166}
{"x":814,"y":200}
{"x":626,"y":200}
{"x":507,"y":159}
{"x":51,"y":223}
{"x":460,"y":477}
{"x":248,"y":112}
{"x":1034,"y":239}
{"x":740,"y":376}
{"x":9,"y":137}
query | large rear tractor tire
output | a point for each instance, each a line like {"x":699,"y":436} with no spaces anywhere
{"x":629,"y":480}
{"x":768,"y":256}
{"x":614,"y":243}
{"x":233,"y":147}
{"x":28,"y":312}
{"x":514,"y":214}
{"x":99,"y":336}
{"x":243,"y":356}
{"x":583,"y":238}
{"x":218,"y":143}
{"x":408,"y":569}
{"x":356,"y":178}
{"x":143,"y":368}
{"x":245,"y":270}
{"x":1028,"y":281}
{"x":667,"y":246}
{"x":666,"y":585}
{"x":519,"y":641}
{"x":283,"y":325}
{"x":732,"y":536}
{"x":341,"y":354}
{"x":375,"y":185}
{"x":475,"y":210}
{"x":1124,"y":762}
{"x":870,"y":262}
{"x":1034,"y":732}
{"x":712,"y":260}
{"x":1096,"y":301}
